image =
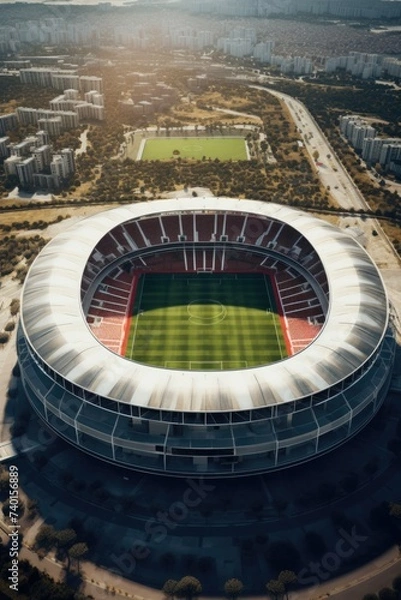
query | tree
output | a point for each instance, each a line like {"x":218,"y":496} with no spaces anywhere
{"x":65,"y":537}
{"x":287,"y":578}
{"x":4,"y":337}
{"x":169,"y":588}
{"x":78,"y":551}
{"x":46,"y":536}
{"x":14,"y":307}
{"x":395,"y":510}
{"x":188,"y":587}
{"x":4,"y":483}
{"x":275,"y":588}
{"x":233,"y":588}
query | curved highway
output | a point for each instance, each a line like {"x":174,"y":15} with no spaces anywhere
{"x":332,"y":173}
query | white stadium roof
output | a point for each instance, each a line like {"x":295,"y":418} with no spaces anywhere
{"x":54,"y":322}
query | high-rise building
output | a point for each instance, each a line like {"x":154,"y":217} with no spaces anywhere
{"x":43,"y":156}
{"x":263,"y":51}
{"x":61,"y":103}
{"x":71,"y":94}
{"x":69,"y":119}
{"x":44,"y":181}
{"x":25,"y":171}
{"x":390,"y":152}
{"x":36,"y":76}
{"x":27,"y":116}
{"x":65,"y":80}
{"x":4,"y":146}
{"x":43,"y":137}
{"x":62,"y":165}
{"x":10,"y":165}
{"x":8,"y":123}
{"x":51,"y":126}
{"x":90,"y":82}
{"x":359,"y":133}
{"x":371,"y":149}
{"x":94,"y":98}
{"x":23,"y":148}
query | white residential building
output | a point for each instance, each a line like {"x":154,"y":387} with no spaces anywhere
{"x":8,"y":122}
{"x":4,"y":141}
{"x":51,"y":126}
{"x":62,"y":165}
{"x":43,"y":156}
{"x":90,"y":82}
{"x":27,"y":116}
{"x":25,"y":171}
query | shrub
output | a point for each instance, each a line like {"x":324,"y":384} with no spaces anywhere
{"x":4,"y":337}
{"x":188,"y":587}
{"x":233,"y":588}
{"x":14,"y":307}
{"x":169,"y":587}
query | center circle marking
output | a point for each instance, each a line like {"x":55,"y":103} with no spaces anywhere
{"x":204,"y":311}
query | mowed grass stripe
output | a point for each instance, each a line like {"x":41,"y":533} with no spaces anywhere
{"x":205,"y":319}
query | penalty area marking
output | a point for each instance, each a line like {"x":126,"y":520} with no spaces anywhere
{"x":274,"y":320}
{"x":140,"y":312}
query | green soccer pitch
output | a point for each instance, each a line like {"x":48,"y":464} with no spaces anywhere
{"x":223,"y":148}
{"x":205,"y":322}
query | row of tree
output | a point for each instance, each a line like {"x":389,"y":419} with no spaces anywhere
{"x":33,"y":584}
{"x":190,"y":587}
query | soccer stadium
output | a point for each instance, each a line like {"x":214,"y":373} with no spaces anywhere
{"x":210,"y":336}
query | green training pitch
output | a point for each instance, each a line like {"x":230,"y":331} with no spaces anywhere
{"x":205,"y":322}
{"x":195,"y":148}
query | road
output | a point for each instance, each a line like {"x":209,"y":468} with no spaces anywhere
{"x":328,"y":167}
{"x":332,"y":173}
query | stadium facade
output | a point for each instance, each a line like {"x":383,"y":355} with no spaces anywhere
{"x":216,"y":423}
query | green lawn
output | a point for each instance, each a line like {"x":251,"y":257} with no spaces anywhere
{"x":195,"y":148}
{"x":205,"y":322}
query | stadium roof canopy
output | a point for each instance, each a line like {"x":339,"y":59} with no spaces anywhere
{"x":54,"y":322}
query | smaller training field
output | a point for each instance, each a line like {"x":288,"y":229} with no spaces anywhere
{"x":205,"y":322}
{"x":195,"y":148}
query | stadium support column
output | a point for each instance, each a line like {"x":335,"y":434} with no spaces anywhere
{"x":185,"y":258}
{"x":223,"y":258}
{"x":194,"y":257}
